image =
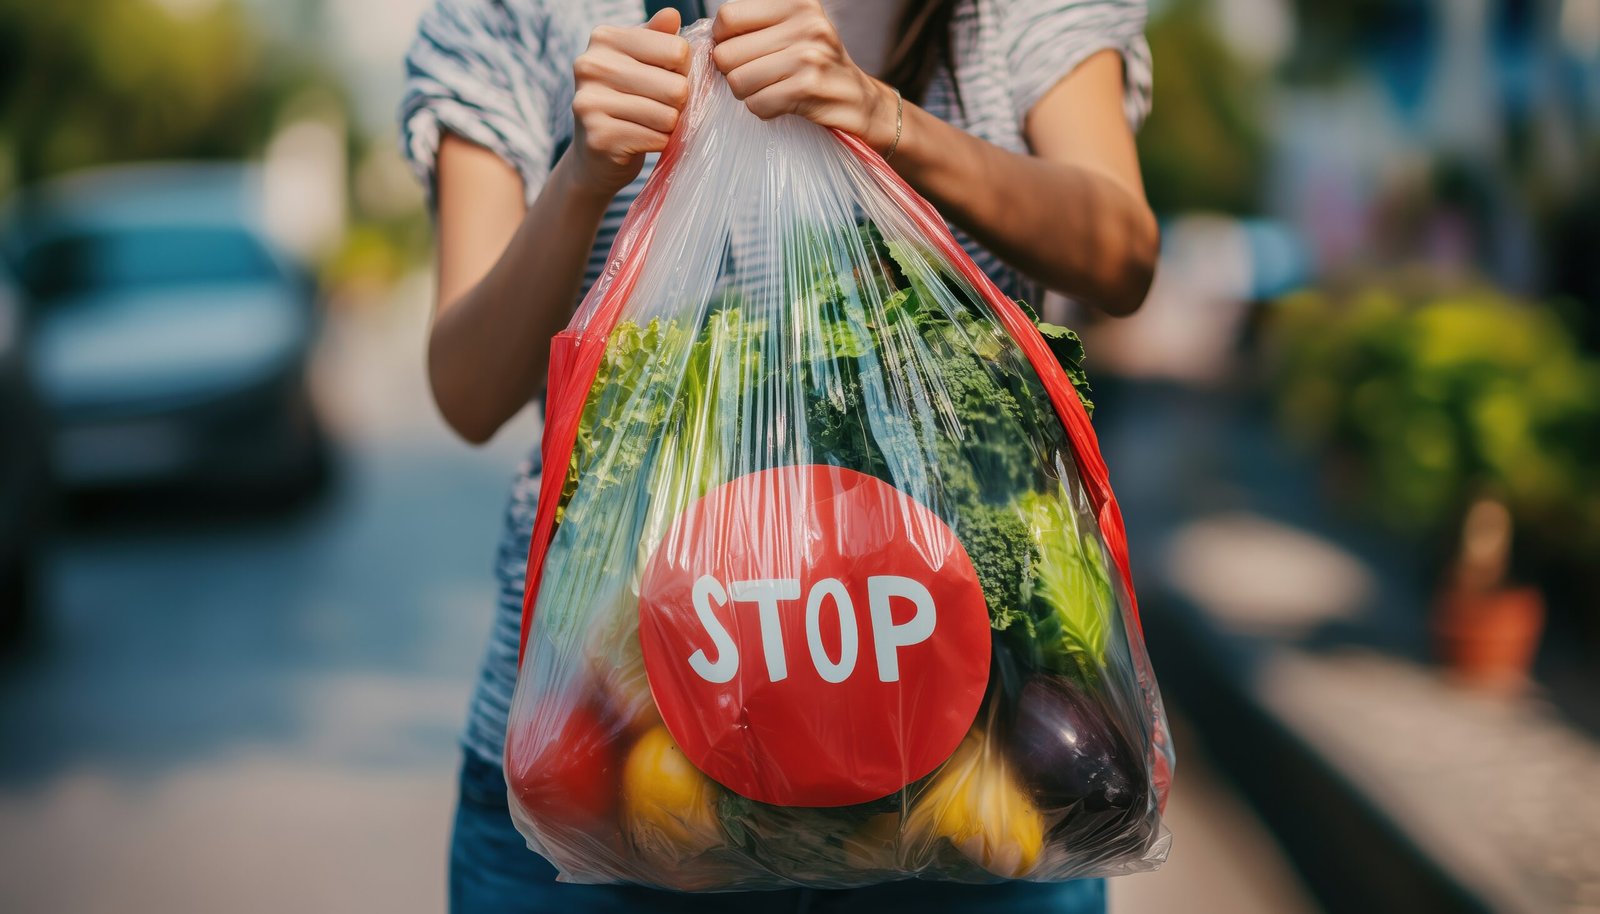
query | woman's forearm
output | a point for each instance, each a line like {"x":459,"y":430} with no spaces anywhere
{"x":1079,"y":231}
{"x":488,"y":350}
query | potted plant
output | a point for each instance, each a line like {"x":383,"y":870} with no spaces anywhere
{"x":1485,"y":629}
{"x":1461,"y":414}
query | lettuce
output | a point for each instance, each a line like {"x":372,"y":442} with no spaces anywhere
{"x":1072,"y":589}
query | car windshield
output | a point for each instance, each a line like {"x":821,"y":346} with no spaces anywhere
{"x":143,"y":257}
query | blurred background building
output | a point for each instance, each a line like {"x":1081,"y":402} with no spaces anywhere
{"x":245,"y":572}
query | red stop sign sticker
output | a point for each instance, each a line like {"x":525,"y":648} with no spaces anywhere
{"x":813,"y":636}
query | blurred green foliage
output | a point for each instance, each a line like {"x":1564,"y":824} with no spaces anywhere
{"x":376,"y":253}
{"x":1203,"y":147}
{"x":1434,"y":395}
{"x":84,"y":82}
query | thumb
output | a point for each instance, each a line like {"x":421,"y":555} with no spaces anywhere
{"x":668,"y":21}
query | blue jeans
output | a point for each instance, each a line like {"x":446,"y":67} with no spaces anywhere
{"x":492,"y":871}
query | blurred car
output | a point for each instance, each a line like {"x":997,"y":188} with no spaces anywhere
{"x":169,"y":337}
{"x":24,"y":473}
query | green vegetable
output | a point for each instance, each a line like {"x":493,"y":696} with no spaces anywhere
{"x":625,"y":408}
{"x":815,"y":839}
{"x":1068,"y":349}
{"x":992,"y":437}
{"x":1002,"y":551}
{"x":901,"y":376}
{"x":1074,"y":598}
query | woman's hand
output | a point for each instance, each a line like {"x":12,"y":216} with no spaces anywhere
{"x":785,"y":57}
{"x":630,"y":87}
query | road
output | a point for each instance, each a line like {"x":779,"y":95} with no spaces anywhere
{"x":259,"y":715}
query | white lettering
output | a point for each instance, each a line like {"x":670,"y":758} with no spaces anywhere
{"x":766,"y":593}
{"x":848,"y":633}
{"x":708,"y":588}
{"x":886,"y":635}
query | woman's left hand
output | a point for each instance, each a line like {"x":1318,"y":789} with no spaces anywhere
{"x":785,"y":57}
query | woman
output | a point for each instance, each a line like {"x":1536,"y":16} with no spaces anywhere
{"x":532,"y":122}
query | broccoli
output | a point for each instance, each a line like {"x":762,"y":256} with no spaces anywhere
{"x":1002,"y":551}
{"x":984,"y":422}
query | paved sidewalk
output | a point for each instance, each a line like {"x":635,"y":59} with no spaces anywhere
{"x":1500,"y":792}
{"x":1223,"y":861}
{"x":1300,"y":640}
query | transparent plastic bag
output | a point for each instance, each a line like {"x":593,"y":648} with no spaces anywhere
{"x":828,"y":586}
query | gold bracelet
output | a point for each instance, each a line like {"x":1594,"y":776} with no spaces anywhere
{"x":899,"y":124}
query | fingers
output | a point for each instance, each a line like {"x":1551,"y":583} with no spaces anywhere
{"x":621,"y":123}
{"x":633,"y":62}
{"x":802,"y":62}
{"x":782,"y":57}
{"x":619,"y":141}
{"x":774,"y":101}
{"x":629,"y":77}
{"x":629,"y":87}
{"x":743,"y":16}
{"x":733,"y":52}
{"x":668,"y":21}
{"x":646,"y":112}
{"x":648,"y":45}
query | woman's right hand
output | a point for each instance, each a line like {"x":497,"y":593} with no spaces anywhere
{"x":631,"y":86}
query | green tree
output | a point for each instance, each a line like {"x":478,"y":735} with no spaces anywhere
{"x":83,"y":82}
{"x":1202,"y":148}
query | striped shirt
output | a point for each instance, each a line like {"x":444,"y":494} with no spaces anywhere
{"x":499,"y":73}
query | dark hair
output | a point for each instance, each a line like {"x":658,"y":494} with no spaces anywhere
{"x":922,"y":47}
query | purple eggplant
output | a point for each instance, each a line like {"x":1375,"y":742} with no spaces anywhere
{"x":1068,"y":753}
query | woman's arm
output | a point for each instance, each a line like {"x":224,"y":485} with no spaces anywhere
{"x":507,"y":277}
{"x":1073,"y":215}
{"x":508,"y":274}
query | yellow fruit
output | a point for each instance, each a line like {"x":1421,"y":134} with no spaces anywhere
{"x":974,"y":803}
{"x":668,"y":807}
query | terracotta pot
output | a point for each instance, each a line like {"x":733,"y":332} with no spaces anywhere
{"x":1488,"y":638}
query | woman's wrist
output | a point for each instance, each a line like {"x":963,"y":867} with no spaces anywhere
{"x":578,"y":196}
{"x":935,"y":157}
{"x":884,"y":116}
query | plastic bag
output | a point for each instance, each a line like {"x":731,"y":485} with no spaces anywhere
{"x":833,"y":590}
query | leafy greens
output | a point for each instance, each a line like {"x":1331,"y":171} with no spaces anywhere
{"x":902,"y":378}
